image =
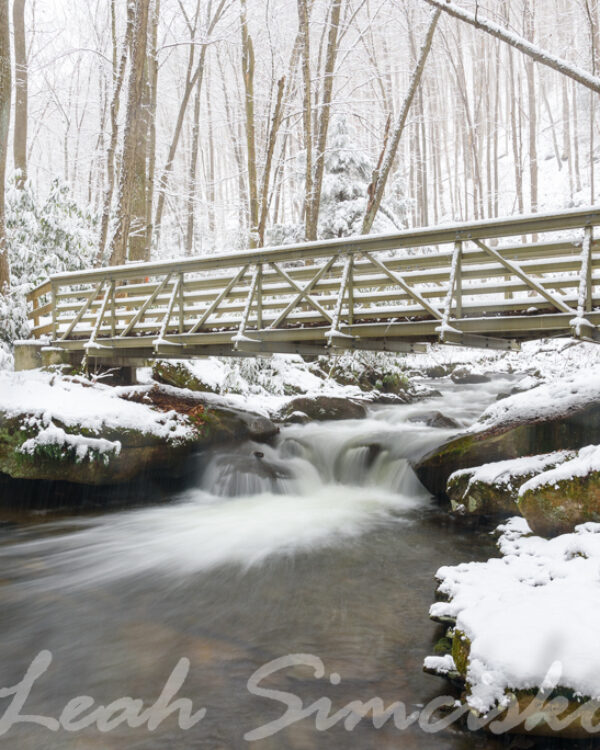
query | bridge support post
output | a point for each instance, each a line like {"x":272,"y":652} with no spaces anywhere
{"x":28,"y":354}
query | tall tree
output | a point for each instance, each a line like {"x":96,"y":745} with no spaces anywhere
{"x":388,"y":154}
{"x":324,"y":111}
{"x":193,"y":79}
{"x":248,"y":76}
{"x":5,"y":96}
{"x":119,"y":65}
{"x":304,"y":31}
{"x":128,"y":162}
{"x":21,"y":86}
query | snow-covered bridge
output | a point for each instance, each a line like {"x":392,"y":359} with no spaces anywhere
{"x":489,"y":283}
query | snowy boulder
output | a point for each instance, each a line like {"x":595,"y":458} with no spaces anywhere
{"x":563,"y":415}
{"x":322,"y":408}
{"x":70,"y":430}
{"x":179,"y":375}
{"x":526,"y":631}
{"x":214,"y":419}
{"x":60,"y":429}
{"x":469,"y":375}
{"x":494,"y":488}
{"x":558,"y":500}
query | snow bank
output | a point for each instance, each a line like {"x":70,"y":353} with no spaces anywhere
{"x":534,"y":612}
{"x":45,"y":397}
{"x":587,"y":460}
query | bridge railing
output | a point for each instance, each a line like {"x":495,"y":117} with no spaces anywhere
{"x":454,"y":283}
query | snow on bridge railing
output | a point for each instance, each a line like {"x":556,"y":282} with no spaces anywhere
{"x":345,"y":293}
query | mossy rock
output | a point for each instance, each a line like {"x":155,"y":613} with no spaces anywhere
{"x":572,"y":430}
{"x":495,"y":491}
{"x":461,"y":647}
{"x":481,"y":498}
{"x":179,"y":375}
{"x":557,"y":507}
{"x":139,"y":453}
{"x":533,"y":705}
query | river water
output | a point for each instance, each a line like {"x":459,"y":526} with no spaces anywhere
{"x":322,"y":545}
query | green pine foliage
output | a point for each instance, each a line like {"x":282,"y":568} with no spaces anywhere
{"x":46,"y":236}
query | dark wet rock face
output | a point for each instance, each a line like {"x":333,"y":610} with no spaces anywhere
{"x":435,"y":419}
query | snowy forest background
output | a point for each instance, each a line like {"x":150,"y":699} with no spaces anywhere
{"x":163,"y":128}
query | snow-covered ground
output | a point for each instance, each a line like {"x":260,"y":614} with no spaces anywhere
{"x":532,"y":616}
{"x":546,"y":358}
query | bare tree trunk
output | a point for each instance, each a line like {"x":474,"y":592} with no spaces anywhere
{"x":153,"y":85}
{"x":576,"y":169}
{"x":134,"y":100}
{"x":248,"y":77}
{"x":193,"y":175}
{"x":532,"y":110}
{"x":193,"y":79}
{"x":139,"y":249}
{"x":379,"y":179}
{"x":5,"y":96}
{"x":119,"y":66}
{"x":324,"y":111}
{"x":264,"y":194}
{"x":237,"y":151}
{"x":21,"y":82}
{"x":304,"y":30}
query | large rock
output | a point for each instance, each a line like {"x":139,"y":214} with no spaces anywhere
{"x":215,"y":420}
{"x":564,"y":415}
{"x":468,"y":376}
{"x":68,"y":430}
{"x":321,"y":408}
{"x":179,"y":375}
{"x":556,"y":501}
{"x":67,"y":453}
{"x":435,"y":419}
{"x":493,"y":488}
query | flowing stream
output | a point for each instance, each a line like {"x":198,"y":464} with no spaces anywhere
{"x":323,"y":544}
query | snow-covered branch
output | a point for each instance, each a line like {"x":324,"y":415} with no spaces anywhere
{"x":518,"y":42}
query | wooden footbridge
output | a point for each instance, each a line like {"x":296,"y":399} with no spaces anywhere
{"x":489,"y":283}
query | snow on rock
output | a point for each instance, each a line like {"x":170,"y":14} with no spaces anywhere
{"x":45,"y":397}
{"x":587,"y":461}
{"x":531,"y":617}
{"x":84,"y":447}
{"x":507,"y":472}
{"x":547,"y":400}
{"x":442,"y":665}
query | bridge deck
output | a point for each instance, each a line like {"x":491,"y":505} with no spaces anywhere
{"x":456,"y":284}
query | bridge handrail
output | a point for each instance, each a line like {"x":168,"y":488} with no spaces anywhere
{"x":410,"y":238}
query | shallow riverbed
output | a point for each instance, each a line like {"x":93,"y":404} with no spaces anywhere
{"x":323,"y":545}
